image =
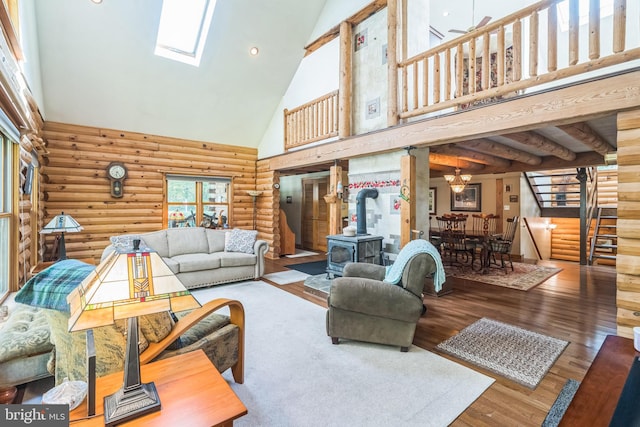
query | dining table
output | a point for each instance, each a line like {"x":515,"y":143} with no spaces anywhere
{"x":483,"y":241}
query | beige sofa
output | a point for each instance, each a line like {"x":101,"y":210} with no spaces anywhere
{"x":201,"y":256}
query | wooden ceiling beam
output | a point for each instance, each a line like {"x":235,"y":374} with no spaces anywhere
{"x":588,"y":158}
{"x":586,"y":135}
{"x":501,"y":150}
{"x":453,"y":161}
{"x":532,"y":139}
{"x":472,"y":156}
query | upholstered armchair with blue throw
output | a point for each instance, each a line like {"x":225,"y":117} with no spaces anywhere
{"x":380,"y":304}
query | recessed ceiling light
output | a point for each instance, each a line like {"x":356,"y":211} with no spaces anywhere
{"x":253,"y":51}
{"x":97,"y":1}
{"x":445,"y":13}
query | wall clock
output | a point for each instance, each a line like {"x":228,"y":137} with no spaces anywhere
{"x":117,"y":172}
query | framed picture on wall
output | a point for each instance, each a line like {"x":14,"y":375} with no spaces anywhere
{"x":470,"y":199}
{"x":432,"y":200}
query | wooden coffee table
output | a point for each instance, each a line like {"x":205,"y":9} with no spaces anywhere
{"x":191,"y":390}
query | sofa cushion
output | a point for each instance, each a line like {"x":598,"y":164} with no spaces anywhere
{"x":124,"y":243}
{"x":25,"y":334}
{"x":216,"y":240}
{"x":157,"y":240}
{"x":173,"y":265}
{"x":238,"y":240}
{"x":187,"y":240}
{"x":156,"y":326}
{"x":50,"y":287}
{"x":197,"y":262}
{"x":237,"y":259}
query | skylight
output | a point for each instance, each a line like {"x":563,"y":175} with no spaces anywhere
{"x":183,"y":29}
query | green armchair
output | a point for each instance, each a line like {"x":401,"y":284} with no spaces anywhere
{"x":363,"y":307}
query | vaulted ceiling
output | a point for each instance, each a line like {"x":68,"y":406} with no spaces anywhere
{"x":98,"y":68}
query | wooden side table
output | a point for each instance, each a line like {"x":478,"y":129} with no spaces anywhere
{"x":191,"y":391}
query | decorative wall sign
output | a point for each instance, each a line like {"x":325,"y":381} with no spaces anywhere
{"x":394,"y":205}
{"x":373,"y":108}
{"x":361,"y":40}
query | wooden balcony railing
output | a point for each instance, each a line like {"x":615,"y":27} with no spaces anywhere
{"x":520,"y":53}
{"x":510,"y":54}
{"x":314,"y":121}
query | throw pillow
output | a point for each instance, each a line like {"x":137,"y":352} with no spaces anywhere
{"x":50,"y":287}
{"x":124,"y":243}
{"x":238,"y":240}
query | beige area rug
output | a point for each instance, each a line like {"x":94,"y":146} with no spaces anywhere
{"x":295,"y":377}
{"x":524,"y":276}
{"x":518,"y":354}
{"x":301,"y":253}
{"x":286,"y":277}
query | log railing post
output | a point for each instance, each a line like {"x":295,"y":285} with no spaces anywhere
{"x":344,"y":91}
{"x":392,"y":62}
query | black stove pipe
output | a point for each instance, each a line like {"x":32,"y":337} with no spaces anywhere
{"x":361,"y":208}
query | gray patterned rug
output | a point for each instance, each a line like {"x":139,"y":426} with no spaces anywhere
{"x":518,"y":354}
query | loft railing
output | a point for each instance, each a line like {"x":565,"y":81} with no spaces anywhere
{"x":314,"y":121}
{"x":522,"y":52}
{"x":509,"y":56}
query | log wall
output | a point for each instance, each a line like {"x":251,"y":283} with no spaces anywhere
{"x":268,"y":206}
{"x":628,"y":258}
{"x":74,"y":180}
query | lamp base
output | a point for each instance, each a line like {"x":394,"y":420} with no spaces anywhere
{"x":125,"y":405}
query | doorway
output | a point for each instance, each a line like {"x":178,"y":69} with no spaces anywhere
{"x":315,"y":218}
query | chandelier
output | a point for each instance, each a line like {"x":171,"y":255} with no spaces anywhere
{"x":457,"y":182}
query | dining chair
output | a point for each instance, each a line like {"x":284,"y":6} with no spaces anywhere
{"x":487,"y":223}
{"x":501,"y":245}
{"x":484,"y":227}
{"x":455,"y":244}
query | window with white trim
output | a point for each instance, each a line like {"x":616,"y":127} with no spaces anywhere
{"x":197,"y":201}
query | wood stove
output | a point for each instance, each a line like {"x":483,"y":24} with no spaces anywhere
{"x":342,"y":249}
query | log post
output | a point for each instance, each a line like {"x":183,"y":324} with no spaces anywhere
{"x":392,"y":62}
{"x":407,"y":197}
{"x":335,"y":209}
{"x":344,"y":101}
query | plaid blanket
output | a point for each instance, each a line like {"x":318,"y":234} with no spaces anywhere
{"x":50,"y":287}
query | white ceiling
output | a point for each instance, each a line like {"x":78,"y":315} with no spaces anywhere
{"x":98,"y":68}
{"x":462,"y":14}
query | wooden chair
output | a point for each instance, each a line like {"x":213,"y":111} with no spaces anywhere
{"x":501,"y":245}
{"x":455,"y":244}
{"x":485,"y":222}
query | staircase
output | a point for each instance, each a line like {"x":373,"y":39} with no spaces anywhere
{"x":604,"y":242}
{"x":558,"y":195}
{"x":557,"y":192}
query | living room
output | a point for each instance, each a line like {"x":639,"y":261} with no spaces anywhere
{"x":81,"y":134}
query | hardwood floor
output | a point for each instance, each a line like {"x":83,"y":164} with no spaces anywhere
{"x":578,"y":305}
